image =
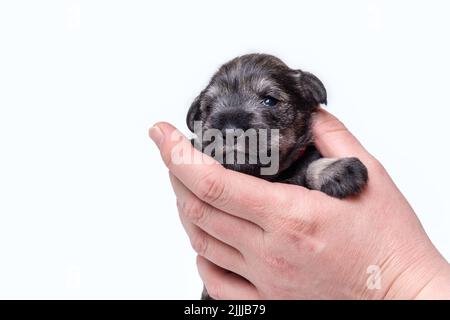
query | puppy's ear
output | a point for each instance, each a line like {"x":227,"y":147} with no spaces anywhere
{"x":311,"y":88}
{"x":193,"y":113}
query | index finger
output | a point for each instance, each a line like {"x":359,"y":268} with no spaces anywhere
{"x":238,"y":194}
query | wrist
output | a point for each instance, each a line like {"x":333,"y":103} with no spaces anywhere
{"x":427,"y":279}
{"x":438,"y":288}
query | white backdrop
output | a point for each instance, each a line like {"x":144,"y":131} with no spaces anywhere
{"x":86,"y":208}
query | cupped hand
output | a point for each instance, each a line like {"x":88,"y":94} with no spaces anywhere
{"x":261,"y":240}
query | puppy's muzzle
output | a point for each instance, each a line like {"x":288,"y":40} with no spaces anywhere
{"x":231,"y":120}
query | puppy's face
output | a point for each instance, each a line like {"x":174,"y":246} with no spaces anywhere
{"x":259,"y":91}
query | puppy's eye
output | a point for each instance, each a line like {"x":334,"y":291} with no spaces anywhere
{"x":269,"y":101}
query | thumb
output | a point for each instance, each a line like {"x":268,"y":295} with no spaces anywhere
{"x":334,"y":140}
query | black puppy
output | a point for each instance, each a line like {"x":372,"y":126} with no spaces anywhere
{"x":258,"y":91}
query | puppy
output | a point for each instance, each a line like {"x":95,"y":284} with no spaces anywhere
{"x":259,"y":91}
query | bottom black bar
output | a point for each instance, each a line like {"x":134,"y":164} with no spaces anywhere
{"x":187,"y":309}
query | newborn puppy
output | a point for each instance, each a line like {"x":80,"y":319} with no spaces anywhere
{"x":258,"y":91}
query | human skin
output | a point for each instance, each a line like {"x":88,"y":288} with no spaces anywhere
{"x":287,"y":242}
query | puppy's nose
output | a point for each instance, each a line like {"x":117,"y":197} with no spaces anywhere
{"x":232,"y":120}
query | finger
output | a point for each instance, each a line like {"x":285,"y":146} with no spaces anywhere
{"x":236,"y":232}
{"x":214,"y":250}
{"x":227,"y":190}
{"x":333,"y":139}
{"x":223,"y":285}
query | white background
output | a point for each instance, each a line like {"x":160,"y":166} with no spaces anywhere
{"x":86,"y":209}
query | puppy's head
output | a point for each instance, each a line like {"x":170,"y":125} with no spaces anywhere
{"x":258,"y":91}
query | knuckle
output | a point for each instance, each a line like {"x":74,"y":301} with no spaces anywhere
{"x":200,"y":245}
{"x":295,"y":231}
{"x":276,"y":263}
{"x":211,"y":188}
{"x":192,"y":209}
{"x":305,"y":224}
{"x":295,"y":225}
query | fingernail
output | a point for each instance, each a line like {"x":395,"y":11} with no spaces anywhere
{"x":156,"y":135}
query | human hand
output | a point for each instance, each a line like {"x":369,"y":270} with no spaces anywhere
{"x":287,"y":242}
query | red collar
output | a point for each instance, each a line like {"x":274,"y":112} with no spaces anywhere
{"x":301,"y":153}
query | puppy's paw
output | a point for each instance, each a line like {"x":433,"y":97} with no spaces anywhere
{"x":338,"y":178}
